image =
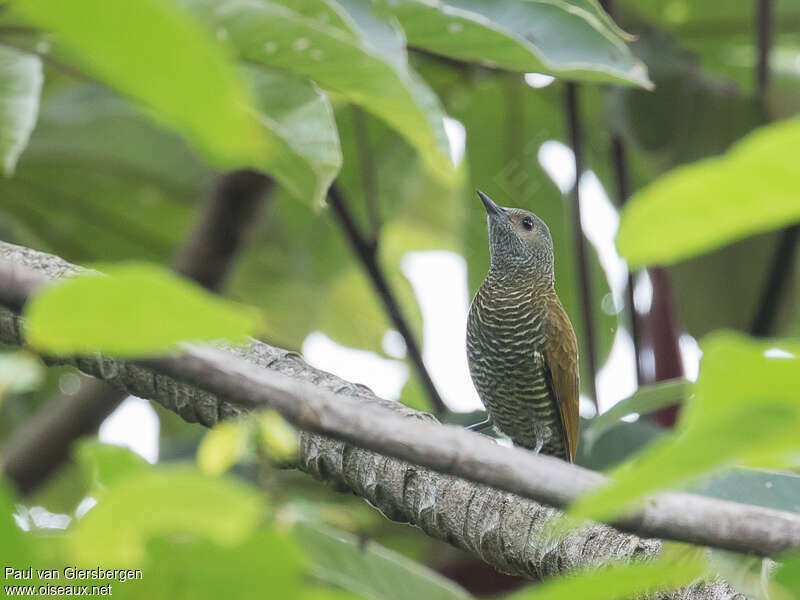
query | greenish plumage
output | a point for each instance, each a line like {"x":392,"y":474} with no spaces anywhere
{"x":521,"y":348}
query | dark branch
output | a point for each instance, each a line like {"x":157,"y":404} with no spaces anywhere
{"x":366,"y":254}
{"x":781,"y":267}
{"x":581,"y":250}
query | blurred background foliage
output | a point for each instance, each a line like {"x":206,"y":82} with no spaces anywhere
{"x":111,"y":148}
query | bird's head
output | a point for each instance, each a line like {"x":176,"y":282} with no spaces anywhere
{"x":519,"y":242}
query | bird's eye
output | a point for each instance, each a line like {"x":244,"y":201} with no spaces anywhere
{"x":527,"y":223}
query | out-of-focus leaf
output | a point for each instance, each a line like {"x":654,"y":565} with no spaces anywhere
{"x":705,"y":205}
{"x":100,"y":181}
{"x":772,"y":489}
{"x":616,"y":444}
{"x":14,"y":552}
{"x":223,"y":446}
{"x":618,"y":581}
{"x":690,"y":115}
{"x":299,"y":117}
{"x":788,"y":576}
{"x":558,"y":38}
{"x":744,"y":411}
{"x":20,"y":86}
{"x":278,"y":438}
{"x":341,"y":60}
{"x":158,"y":503}
{"x":19,"y":372}
{"x":645,"y":400}
{"x":134,"y":309}
{"x":104,"y":464}
{"x":268,"y":563}
{"x":370,"y":570}
{"x":153,"y":52}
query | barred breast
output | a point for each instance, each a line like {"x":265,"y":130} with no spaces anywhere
{"x":505,"y":351}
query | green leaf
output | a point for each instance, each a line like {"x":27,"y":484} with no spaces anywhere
{"x":89,"y":147}
{"x":340,"y":60}
{"x":103,"y":464}
{"x":370,"y":570}
{"x":153,"y":52}
{"x":19,"y":372}
{"x":20,"y":86}
{"x":134,"y":309}
{"x":699,"y":207}
{"x":278,"y":439}
{"x":744,"y":412}
{"x":645,"y":400}
{"x":548,"y":37}
{"x":300,"y":120}
{"x":616,"y":444}
{"x":788,"y":576}
{"x":157,"y":503}
{"x":618,"y":581}
{"x":772,"y":489}
{"x":223,"y":446}
{"x":268,"y":564}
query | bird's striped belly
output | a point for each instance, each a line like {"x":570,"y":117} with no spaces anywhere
{"x":504,"y":351}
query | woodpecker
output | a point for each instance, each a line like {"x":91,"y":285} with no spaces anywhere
{"x":521,"y":348}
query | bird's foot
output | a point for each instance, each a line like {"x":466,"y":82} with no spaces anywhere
{"x":487,"y":422}
{"x":542,"y":435}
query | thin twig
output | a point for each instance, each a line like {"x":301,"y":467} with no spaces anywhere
{"x":581,"y":250}
{"x":620,"y":164}
{"x":368,"y":258}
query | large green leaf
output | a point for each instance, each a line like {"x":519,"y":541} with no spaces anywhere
{"x":549,"y":37}
{"x":157,"y":503}
{"x":153,"y":52}
{"x":299,"y":118}
{"x":744,"y":411}
{"x":753,"y":188}
{"x":340,"y":59}
{"x":371,"y":571}
{"x":20,"y":86}
{"x":100,"y":181}
{"x":133,"y":309}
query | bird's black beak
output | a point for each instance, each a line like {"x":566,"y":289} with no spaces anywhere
{"x":491,"y":208}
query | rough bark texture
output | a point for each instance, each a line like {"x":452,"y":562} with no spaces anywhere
{"x":509,"y":532}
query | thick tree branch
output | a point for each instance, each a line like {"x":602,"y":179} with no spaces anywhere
{"x":42,"y":444}
{"x":207,"y":384}
{"x":366,"y":253}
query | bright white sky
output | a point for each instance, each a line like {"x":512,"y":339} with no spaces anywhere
{"x":439,"y":280}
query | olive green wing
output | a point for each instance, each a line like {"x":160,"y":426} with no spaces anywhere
{"x":561,"y":359}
